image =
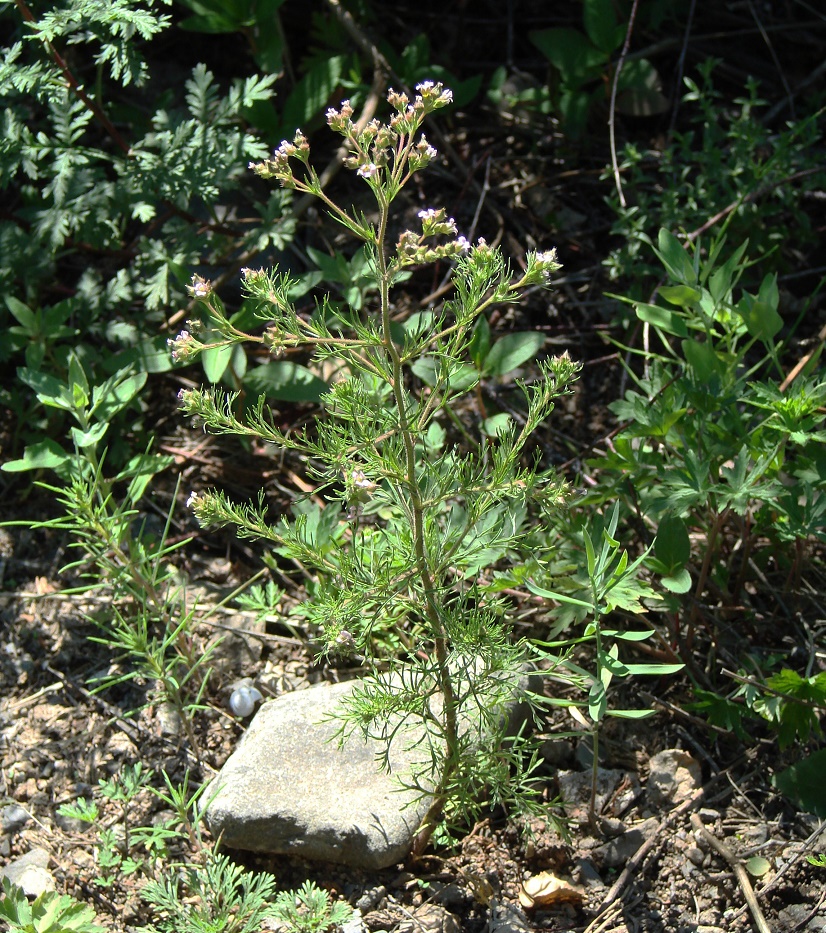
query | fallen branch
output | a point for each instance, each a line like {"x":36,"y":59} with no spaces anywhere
{"x":639,"y":856}
{"x":737,"y":867}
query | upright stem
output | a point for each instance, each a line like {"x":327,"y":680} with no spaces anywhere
{"x":437,"y":628}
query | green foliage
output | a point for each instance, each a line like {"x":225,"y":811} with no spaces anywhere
{"x":308,"y":910}
{"x":721,"y":458}
{"x":802,"y":783}
{"x":216,"y":897}
{"x":49,"y":913}
{"x":148,"y":623}
{"x":583,"y":68}
{"x":728,"y":163}
{"x":709,"y":439}
{"x":613,"y":583}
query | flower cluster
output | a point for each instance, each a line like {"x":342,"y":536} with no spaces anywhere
{"x":279,"y":165}
{"x":184,"y":347}
{"x":411,"y":248}
{"x":200,"y":287}
{"x":541,"y":266}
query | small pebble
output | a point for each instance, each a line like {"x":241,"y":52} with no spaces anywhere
{"x":244,"y":700}
{"x":13,"y":818}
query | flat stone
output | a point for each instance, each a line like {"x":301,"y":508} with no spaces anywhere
{"x":30,"y":873}
{"x":291,"y":789}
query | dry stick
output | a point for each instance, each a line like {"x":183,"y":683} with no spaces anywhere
{"x":751,"y":196}
{"x":637,"y":858}
{"x":821,"y":337}
{"x":737,"y":866}
{"x":775,"y":59}
{"x":789,"y":864}
{"x":613,"y":107}
{"x":678,"y":80}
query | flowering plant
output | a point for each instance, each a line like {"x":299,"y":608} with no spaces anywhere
{"x":418,"y":507}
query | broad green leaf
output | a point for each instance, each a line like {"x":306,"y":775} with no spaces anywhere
{"x":628,"y":636}
{"x":681,"y":295}
{"x":760,"y":314}
{"x":90,"y":438}
{"x":50,"y":390}
{"x":677,"y":582}
{"x":675,"y":259}
{"x":496,"y":424}
{"x":571,"y":53}
{"x":113,"y":398}
{"x":47,"y":454}
{"x":597,"y":701}
{"x":804,"y":785}
{"x":757,"y":866}
{"x":512,"y":351}
{"x":150,"y":355}
{"x":640,"y":90}
{"x":480,"y":342}
{"x":703,"y":359}
{"x":23,"y":313}
{"x":559,"y":597}
{"x":653,"y":670}
{"x":312,"y":93}
{"x":668,"y":321}
{"x":610,"y":661}
{"x":428,"y":369}
{"x":600,"y":23}
{"x":631,"y":713}
{"x":289,"y":382}
{"x":211,"y":24}
{"x":215,"y":361}
{"x":672,"y":545}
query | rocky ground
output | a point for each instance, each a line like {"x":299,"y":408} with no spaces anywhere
{"x":682,"y":807}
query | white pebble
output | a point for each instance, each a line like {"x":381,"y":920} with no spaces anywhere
{"x":243,"y":700}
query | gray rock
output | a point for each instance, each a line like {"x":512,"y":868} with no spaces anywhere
{"x":674,"y":776}
{"x":291,"y":789}
{"x":508,"y":918}
{"x":575,"y":791}
{"x":30,"y":873}
{"x":616,"y":852}
{"x":13,"y":818}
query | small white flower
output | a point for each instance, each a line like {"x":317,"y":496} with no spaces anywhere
{"x":462,"y":244}
{"x":429,"y":214}
{"x":358,"y":479}
{"x":193,"y":498}
{"x":430,"y":152}
{"x":368,"y":170}
{"x":425,"y":86}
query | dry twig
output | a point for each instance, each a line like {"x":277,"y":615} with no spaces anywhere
{"x":737,"y":867}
